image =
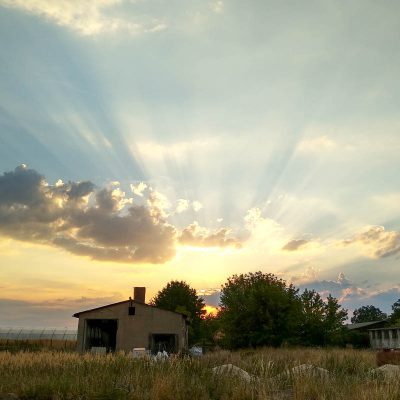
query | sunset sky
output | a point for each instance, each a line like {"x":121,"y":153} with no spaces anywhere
{"x":149,"y":140}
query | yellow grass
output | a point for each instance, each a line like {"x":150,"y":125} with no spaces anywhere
{"x":68,"y":375}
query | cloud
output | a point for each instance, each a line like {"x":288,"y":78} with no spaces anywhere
{"x":86,"y":17}
{"x":49,"y":313}
{"x":295,"y":244}
{"x":211,"y":297}
{"x":197,"y":206}
{"x":182,"y":206}
{"x":139,"y":189}
{"x":377,"y":241}
{"x":197,"y":236}
{"x":157,"y":152}
{"x":101,"y":223}
{"x":316,"y":144}
{"x":341,"y":288}
{"x":32,"y":210}
{"x":217,"y":6}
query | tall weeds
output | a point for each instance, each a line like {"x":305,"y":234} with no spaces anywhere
{"x":62,"y":375}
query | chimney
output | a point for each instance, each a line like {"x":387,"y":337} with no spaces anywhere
{"x":139,"y":294}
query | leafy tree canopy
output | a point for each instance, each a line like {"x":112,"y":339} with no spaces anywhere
{"x":395,"y":316}
{"x":321,"y":321}
{"x":367,"y":314}
{"x":178,"y":296}
{"x":258,"y":309}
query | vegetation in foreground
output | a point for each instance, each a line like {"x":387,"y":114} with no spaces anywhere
{"x":61,"y":375}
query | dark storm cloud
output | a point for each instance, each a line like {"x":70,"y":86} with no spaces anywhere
{"x":21,"y":186}
{"x":80,"y":189}
{"x":61,"y":215}
{"x":294,"y":244}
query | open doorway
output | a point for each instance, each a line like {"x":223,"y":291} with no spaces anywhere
{"x":163,"y":342}
{"x":101,"y":333}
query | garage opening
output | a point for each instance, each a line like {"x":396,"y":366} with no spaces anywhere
{"x":164,"y":342}
{"x":101,"y":333}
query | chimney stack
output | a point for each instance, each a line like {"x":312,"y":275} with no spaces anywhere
{"x":139,"y":294}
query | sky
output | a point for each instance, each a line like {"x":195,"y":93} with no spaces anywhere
{"x":148,"y":140}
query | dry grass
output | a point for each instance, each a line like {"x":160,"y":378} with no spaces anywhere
{"x":388,"y":357}
{"x":37,"y":345}
{"x":63,"y":375}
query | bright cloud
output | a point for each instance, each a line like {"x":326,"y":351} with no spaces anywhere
{"x":217,"y":6}
{"x":197,"y":206}
{"x":182,"y":206}
{"x":85,"y":17}
{"x":197,"y":236}
{"x":317,"y":144}
{"x":176,"y":150}
{"x":139,"y":188}
{"x":377,"y":241}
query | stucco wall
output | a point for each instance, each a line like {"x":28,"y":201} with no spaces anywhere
{"x":134,"y":330}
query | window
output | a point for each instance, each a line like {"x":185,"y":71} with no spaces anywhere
{"x":394,"y":333}
{"x":131,"y":311}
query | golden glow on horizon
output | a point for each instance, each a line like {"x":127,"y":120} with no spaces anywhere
{"x":210,"y":310}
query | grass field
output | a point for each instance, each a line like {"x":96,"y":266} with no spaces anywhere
{"x":68,"y":375}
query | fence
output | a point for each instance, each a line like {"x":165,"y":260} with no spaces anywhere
{"x":15,"y":339}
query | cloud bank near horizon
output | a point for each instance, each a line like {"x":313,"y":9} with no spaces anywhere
{"x":102,"y":223}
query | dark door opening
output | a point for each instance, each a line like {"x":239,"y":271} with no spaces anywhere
{"x":164,"y":342}
{"x":101,"y":333}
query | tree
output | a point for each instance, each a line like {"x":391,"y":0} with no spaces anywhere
{"x":367,"y":314}
{"x":313,"y":316}
{"x":335,"y":316}
{"x":258,"y":309}
{"x":395,"y":316}
{"x":178,"y":296}
{"x":321,"y":321}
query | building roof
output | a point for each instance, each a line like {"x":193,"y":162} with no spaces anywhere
{"x":76,"y":315}
{"x":384,"y":328}
{"x":361,"y":325}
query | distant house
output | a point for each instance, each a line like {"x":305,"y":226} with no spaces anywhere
{"x":132,"y":324}
{"x":365,"y":326}
{"x":358,"y":335}
{"x":385,"y":338}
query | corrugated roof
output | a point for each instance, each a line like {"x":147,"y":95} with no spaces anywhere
{"x":360,"y":325}
{"x":384,"y":328}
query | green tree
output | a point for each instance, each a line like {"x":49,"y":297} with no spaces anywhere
{"x":395,"y":316}
{"x":367,"y":314}
{"x":313,"y":316}
{"x":178,"y":296}
{"x":321,"y":321}
{"x":258,"y":309}
{"x":335,"y":316}
{"x":210,"y":327}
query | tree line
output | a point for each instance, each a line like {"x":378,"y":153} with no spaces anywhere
{"x":260,"y":309}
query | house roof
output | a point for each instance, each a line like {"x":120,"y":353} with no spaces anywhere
{"x":360,"y":325}
{"x":384,"y":328}
{"x":76,"y":315}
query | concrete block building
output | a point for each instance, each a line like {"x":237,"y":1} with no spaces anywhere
{"x":132,"y":324}
{"x":385,"y":338}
